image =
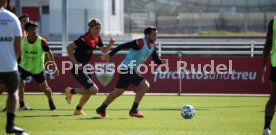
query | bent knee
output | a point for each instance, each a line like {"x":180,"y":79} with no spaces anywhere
{"x":119,"y":91}
{"x":145,"y":86}
{"x":93,"y":90}
{"x":48,"y":89}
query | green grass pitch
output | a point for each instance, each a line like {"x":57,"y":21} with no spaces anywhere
{"x":215,"y":115}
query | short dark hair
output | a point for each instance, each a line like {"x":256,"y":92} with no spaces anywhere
{"x":23,"y":16}
{"x":149,"y":29}
{"x":30,"y":24}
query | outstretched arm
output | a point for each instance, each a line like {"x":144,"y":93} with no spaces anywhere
{"x":54,"y":65}
{"x":132,"y":44}
{"x":105,"y":49}
{"x":157,"y":59}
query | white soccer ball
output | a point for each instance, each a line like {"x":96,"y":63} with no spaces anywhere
{"x":187,"y":112}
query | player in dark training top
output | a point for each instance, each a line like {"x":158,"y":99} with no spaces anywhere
{"x":80,"y":52}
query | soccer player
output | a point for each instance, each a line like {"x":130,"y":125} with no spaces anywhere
{"x":23,"y":20}
{"x":80,"y":52}
{"x":139,"y":51}
{"x":270,"y":45}
{"x":10,"y":45}
{"x":33,"y":52}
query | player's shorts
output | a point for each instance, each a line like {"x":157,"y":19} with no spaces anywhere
{"x":273,"y":74}
{"x":128,"y":78}
{"x":10,"y":79}
{"x":83,"y":78}
{"x":39,"y":78}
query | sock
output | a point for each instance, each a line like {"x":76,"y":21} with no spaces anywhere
{"x":10,"y":119}
{"x":51,"y":101}
{"x":73,"y":91}
{"x":103,"y":106}
{"x":267,"y":122}
{"x":134,"y":107}
{"x":78,"y":107}
{"x":22,"y":103}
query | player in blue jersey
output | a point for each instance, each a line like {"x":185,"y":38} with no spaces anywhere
{"x":139,"y":51}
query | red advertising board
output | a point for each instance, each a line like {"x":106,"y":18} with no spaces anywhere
{"x":226,"y":74}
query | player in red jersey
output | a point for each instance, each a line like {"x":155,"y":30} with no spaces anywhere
{"x":80,"y":52}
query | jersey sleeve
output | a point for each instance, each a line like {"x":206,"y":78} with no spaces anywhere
{"x":79,"y":41}
{"x":140,"y":43}
{"x":100,"y":42}
{"x":44,"y":45}
{"x":155,"y":57}
{"x":132,"y":44}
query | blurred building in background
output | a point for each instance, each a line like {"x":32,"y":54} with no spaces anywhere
{"x":48,"y":14}
{"x":132,"y":16}
{"x":110,"y":12}
{"x":190,"y":16}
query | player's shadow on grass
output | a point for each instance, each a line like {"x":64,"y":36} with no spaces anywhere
{"x":216,"y":107}
{"x":149,"y":109}
{"x":161,"y":109}
{"x":100,"y":118}
{"x":198,"y":108}
{"x":37,"y":116}
{"x":58,"y":109}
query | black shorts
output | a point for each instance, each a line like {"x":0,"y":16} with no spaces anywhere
{"x":83,"y":78}
{"x":39,"y":78}
{"x":11,"y":80}
{"x":272,"y":76}
{"x":128,"y":78}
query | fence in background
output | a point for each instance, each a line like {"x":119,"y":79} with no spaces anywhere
{"x":251,"y":48}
